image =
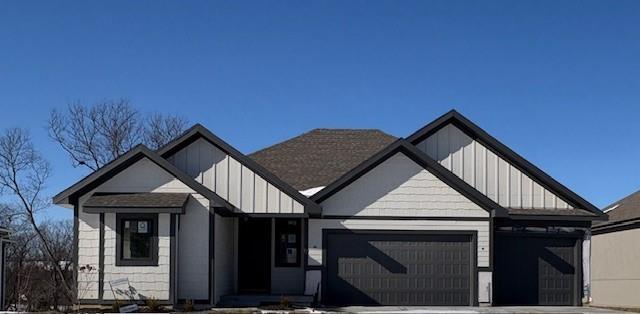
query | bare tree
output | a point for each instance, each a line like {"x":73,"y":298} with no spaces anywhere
{"x":32,"y":282}
{"x":23,"y":174}
{"x":94,"y":135}
{"x":160,"y":129}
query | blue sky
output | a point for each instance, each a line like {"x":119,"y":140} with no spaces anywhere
{"x":557,"y":81}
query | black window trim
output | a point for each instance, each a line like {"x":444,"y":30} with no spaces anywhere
{"x":153,"y":261}
{"x":278,"y":263}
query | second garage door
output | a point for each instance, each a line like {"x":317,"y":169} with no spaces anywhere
{"x":537,"y":269}
{"x":372,"y":268}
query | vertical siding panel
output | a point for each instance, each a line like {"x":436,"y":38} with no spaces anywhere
{"x":469,"y":158}
{"x":247,"y":190}
{"x":260,"y":202}
{"x":273,"y":199}
{"x":514,"y":187}
{"x":235,"y":181}
{"x":526,"y":191}
{"x":207,"y":163}
{"x":503,"y":182}
{"x":538,"y":198}
{"x":456,"y":149}
{"x":181,"y":160}
{"x":492,"y":175}
{"x":222,"y":179}
{"x":548,"y":199}
{"x":286,"y":205}
{"x":480,"y":165}
{"x":297,"y":207}
{"x":431,"y":147}
{"x":193,"y":160}
{"x":444,"y":155}
{"x":561,"y":203}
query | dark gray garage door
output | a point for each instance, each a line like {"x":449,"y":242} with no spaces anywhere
{"x":536,"y":270}
{"x":398,"y":269}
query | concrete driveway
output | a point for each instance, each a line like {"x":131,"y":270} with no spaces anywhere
{"x":471,"y":310}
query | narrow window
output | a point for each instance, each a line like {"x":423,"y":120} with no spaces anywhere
{"x":288,"y":242}
{"x":137,"y":239}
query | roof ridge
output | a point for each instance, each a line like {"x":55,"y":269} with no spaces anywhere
{"x":279,"y":144}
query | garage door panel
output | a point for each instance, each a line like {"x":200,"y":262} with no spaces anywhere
{"x":536,"y":270}
{"x":398,"y":269}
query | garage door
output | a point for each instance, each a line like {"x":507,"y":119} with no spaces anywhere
{"x":536,"y":270}
{"x":398,"y":269}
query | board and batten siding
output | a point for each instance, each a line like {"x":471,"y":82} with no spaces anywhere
{"x":487,"y":172}
{"x":150,"y":281}
{"x":231,"y":180}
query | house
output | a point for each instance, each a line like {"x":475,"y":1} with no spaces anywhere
{"x":615,"y":252}
{"x":446,"y":216}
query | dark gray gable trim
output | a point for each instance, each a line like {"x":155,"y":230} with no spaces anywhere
{"x":477,"y":133}
{"x":198,"y":131}
{"x":402,"y":146}
{"x":108,"y":171}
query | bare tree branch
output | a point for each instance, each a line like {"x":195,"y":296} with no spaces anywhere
{"x":160,"y":129}
{"x":23,"y":174}
{"x":94,"y":135}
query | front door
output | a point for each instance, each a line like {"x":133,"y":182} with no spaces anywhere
{"x":254,"y":255}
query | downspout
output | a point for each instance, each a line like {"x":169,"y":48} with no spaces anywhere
{"x":586,"y":266}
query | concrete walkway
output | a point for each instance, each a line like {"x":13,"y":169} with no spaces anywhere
{"x":473,"y":310}
{"x":435,"y":310}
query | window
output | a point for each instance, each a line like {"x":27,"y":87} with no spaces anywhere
{"x":288,"y":242}
{"x":137,"y":240}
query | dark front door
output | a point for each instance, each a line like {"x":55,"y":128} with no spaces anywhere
{"x":536,"y":270}
{"x":254,"y":255}
{"x":399,"y":269}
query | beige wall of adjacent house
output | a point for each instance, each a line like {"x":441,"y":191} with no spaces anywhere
{"x":487,"y":172}
{"x":232,"y":180}
{"x":615,"y":268}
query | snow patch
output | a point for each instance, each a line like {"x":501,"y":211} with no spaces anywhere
{"x":311,"y":191}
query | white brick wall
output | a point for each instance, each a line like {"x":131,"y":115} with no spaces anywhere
{"x":400,"y":187}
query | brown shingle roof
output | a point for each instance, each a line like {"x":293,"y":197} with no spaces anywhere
{"x":154,"y":200}
{"x":625,"y":209}
{"x":321,"y":156}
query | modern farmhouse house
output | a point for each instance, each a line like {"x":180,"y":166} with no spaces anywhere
{"x":445,"y":216}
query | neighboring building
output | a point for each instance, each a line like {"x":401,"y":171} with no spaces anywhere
{"x":4,"y":241}
{"x":447,"y":216}
{"x":615,"y":255}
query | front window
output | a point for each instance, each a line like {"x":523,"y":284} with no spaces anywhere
{"x":288,"y":242}
{"x":137,"y":239}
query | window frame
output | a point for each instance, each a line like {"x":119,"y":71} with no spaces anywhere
{"x":151,"y":261}
{"x":298,"y":246}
